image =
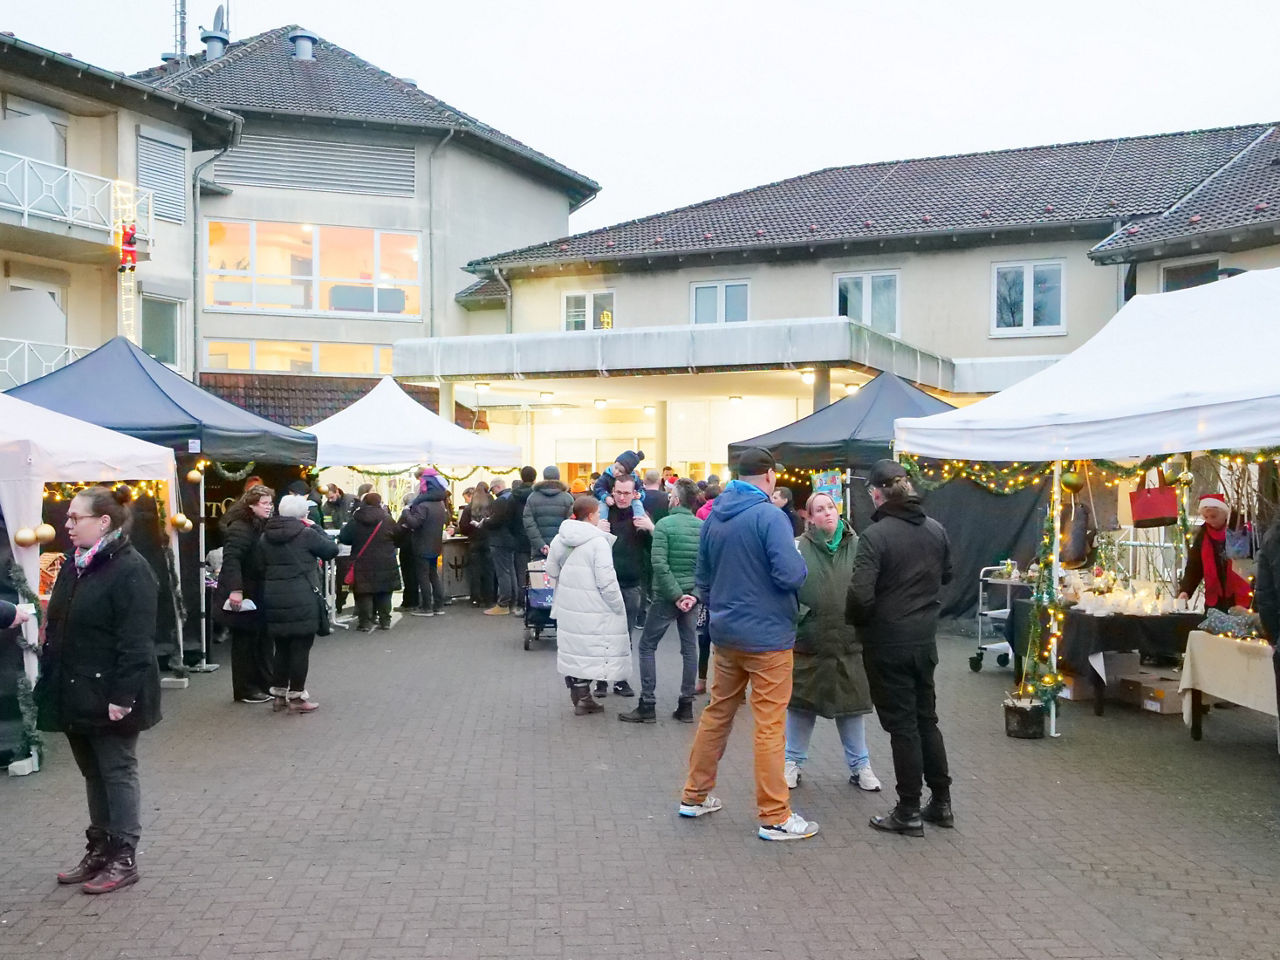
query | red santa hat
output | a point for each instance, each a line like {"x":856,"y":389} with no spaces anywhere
{"x":1214,"y":500}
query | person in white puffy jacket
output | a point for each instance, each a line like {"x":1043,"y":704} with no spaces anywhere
{"x":591,"y":620}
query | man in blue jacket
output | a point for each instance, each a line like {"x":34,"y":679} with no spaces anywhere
{"x":748,"y":574}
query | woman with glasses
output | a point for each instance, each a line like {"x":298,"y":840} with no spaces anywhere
{"x":100,"y":684}
{"x":239,"y":580}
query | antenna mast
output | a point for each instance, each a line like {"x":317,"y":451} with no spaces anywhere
{"x":180,"y":27}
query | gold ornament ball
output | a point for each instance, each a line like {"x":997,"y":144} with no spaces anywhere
{"x":178,"y":520}
{"x":322,"y":489}
{"x":1072,"y":482}
{"x":24,"y":537}
{"x":187,"y":525}
{"x":194,"y":476}
{"x":45,"y":533}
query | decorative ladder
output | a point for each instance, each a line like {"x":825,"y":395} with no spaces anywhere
{"x":124,"y":210}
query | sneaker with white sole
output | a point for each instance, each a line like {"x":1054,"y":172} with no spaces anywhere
{"x":864,"y":779}
{"x":795,"y":827}
{"x":791,"y":770}
{"x":709,"y":805}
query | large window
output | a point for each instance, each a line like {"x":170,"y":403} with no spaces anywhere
{"x":298,"y":356}
{"x":306,"y":268}
{"x":160,"y":329}
{"x":588,"y":311}
{"x":724,"y":301}
{"x":869,"y":298}
{"x":1027,"y":299}
{"x":1186,"y":275}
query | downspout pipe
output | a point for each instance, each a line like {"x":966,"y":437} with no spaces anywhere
{"x":196,"y":297}
{"x":431,"y":233}
{"x":497,"y":272}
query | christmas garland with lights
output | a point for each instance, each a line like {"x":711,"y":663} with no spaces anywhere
{"x":31,"y":740}
{"x":233,"y":475}
{"x":1039,"y":680}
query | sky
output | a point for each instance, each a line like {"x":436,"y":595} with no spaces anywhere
{"x":667,"y":103}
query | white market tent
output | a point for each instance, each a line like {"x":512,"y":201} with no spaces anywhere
{"x":1170,"y":373}
{"x":39,"y":446}
{"x":388,"y":427}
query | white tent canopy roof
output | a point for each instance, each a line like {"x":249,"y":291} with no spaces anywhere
{"x":387,"y":427}
{"x":1170,"y":373}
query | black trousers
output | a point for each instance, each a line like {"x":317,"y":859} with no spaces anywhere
{"x":430,"y":589}
{"x":704,"y":648}
{"x":522,"y":573}
{"x":293,"y":658}
{"x":483,"y":587}
{"x":373,"y":608}
{"x":109,"y":764}
{"x":409,"y":576}
{"x":901,"y":679}
{"x":251,"y":662}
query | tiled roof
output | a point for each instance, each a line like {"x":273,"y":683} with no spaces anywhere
{"x":1242,"y":194}
{"x":481,"y":295}
{"x":260,"y":74}
{"x":1064,"y":184}
{"x":302,"y":401}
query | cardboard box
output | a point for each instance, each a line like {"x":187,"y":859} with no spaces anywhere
{"x":1153,"y":691}
{"x":1117,"y":666}
{"x":1076,"y":688}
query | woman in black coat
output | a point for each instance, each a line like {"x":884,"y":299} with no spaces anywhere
{"x":292,"y":598}
{"x":241,"y":579}
{"x":371,"y":533}
{"x":100,"y":684}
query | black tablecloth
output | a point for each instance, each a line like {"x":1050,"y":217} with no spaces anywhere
{"x":1154,"y":637}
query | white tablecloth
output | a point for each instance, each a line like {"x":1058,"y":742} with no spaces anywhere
{"x":1234,"y":670}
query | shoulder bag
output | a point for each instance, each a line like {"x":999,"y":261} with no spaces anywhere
{"x":350,"y":577}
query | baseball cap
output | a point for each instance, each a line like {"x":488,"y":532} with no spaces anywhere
{"x":884,"y":472}
{"x":755,"y":462}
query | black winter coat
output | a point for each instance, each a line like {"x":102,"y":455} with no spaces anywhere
{"x":548,"y":506}
{"x":519,"y":500}
{"x":499,"y":524}
{"x":240,"y":571}
{"x":630,"y":548}
{"x":291,"y":585}
{"x":377,"y":570}
{"x":100,"y":646}
{"x":426,"y":519}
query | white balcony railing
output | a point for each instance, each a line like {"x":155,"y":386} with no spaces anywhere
{"x":46,"y":191}
{"x":22,"y":361}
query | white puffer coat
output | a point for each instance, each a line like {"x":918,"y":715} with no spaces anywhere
{"x":591,"y":619}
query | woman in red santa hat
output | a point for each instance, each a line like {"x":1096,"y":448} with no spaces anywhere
{"x":1208,"y":561}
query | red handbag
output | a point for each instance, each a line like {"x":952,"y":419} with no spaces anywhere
{"x":1154,"y":506}
{"x":350,"y":577}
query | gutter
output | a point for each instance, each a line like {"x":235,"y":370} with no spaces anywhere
{"x":431,"y":234}
{"x":1169,"y":246}
{"x":507,"y":287}
{"x":196,"y":295}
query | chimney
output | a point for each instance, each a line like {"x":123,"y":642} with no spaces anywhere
{"x":304,"y":44}
{"x":168,"y":58}
{"x":215,"y":41}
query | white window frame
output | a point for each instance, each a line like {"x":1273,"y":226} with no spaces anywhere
{"x":1028,"y":293}
{"x":589,"y":325}
{"x":179,"y":323}
{"x":315,"y":356}
{"x":251,"y":275}
{"x":719,"y":285}
{"x":57,"y":291}
{"x":1180,"y":262}
{"x":867,"y":276}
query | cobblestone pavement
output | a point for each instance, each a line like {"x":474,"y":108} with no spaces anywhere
{"x":444,"y":802}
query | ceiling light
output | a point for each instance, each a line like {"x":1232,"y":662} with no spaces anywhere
{"x":648,"y":411}
{"x":600,"y":404}
{"x":852,"y":388}
{"x":307,"y":228}
{"x":482,"y":388}
{"x":545,"y":396}
{"x":806,"y":377}
{"x":735,"y":400}
{"x":556,"y":411}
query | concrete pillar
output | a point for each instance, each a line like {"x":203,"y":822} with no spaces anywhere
{"x":821,"y":388}
{"x":446,"y":409}
{"x":660,"y":434}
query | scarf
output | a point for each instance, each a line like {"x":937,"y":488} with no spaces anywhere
{"x":1236,"y":588}
{"x":832,"y":543}
{"x":84,"y":555}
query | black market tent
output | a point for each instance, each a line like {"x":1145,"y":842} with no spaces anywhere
{"x":120,"y":387}
{"x":851,"y":433}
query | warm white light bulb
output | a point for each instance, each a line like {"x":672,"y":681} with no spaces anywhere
{"x":735,"y":400}
{"x":648,"y":411}
{"x":600,"y":404}
{"x":545,"y":395}
{"x":556,"y":411}
{"x":482,"y":388}
{"x":807,"y":378}
{"x":852,"y":388}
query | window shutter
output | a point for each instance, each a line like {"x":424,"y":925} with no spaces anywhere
{"x":320,"y":165}
{"x":162,"y":167}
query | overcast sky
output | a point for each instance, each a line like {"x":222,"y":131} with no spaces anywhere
{"x":668,"y":103}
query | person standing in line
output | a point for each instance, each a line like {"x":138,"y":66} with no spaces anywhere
{"x":524,"y":549}
{"x":371,"y":535}
{"x":425,"y":520}
{"x":502,"y":547}
{"x":1267,"y":594}
{"x":829,"y":677}
{"x":592,"y":639}
{"x":549,"y":505}
{"x":674,"y":557}
{"x":99,"y":679}
{"x":710,"y":492}
{"x":240,"y":579}
{"x":633,"y":536}
{"x":657,"y":503}
{"x":411,"y":596}
{"x":748,"y":574}
{"x":902,"y":561}
{"x":293,"y":598}
{"x":472,"y":524}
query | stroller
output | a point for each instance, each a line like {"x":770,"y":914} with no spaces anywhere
{"x":537,"y":604}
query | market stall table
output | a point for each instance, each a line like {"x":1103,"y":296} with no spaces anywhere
{"x":1238,"y":671}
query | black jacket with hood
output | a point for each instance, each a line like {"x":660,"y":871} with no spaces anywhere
{"x":426,"y":519}
{"x":548,"y":506}
{"x":287,"y":552}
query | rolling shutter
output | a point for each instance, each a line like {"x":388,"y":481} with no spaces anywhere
{"x":162,"y":167}
{"x":320,"y":165}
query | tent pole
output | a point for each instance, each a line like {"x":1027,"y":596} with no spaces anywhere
{"x":204,"y":666}
{"x":1056,"y":501}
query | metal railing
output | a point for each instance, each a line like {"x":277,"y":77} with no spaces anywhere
{"x":22,"y":361}
{"x":46,"y":191}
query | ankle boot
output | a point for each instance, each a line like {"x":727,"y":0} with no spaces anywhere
{"x":684,"y":710}
{"x":279,"y":698}
{"x":901,"y":819}
{"x":938,"y":812}
{"x":121,"y":870}
{"x":643,"y":713}
{"x":94,"y":860}
{"x":301,"y":703}
{"x":583,"y":702}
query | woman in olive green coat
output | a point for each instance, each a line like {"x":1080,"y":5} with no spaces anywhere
{"x":829,"y":679}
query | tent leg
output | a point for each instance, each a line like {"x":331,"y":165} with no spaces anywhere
{"x":1056,"y":501}
{"x":204,"y":666}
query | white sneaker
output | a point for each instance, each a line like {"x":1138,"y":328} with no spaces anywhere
{"x":791,"y":770}
{"x":709,"y":805}
{"x":864,"y":779}
{"x":795,"y":827}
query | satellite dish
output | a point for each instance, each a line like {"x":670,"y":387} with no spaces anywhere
{"x":219,"y":18}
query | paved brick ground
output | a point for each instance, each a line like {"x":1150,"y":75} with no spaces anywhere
{"x":444,"y":802}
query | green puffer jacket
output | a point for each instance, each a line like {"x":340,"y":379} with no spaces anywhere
{"x":828,"y":678}
{"x":675,"y":553}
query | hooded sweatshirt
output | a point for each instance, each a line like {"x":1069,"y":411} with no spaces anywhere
{"x":749,"y":571}
{"x":592,"y":638}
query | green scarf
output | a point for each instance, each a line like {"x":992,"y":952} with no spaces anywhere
{"x":832,"y":543}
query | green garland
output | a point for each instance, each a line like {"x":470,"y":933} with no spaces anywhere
{"x":32,"y":742}
{"x":233,"y":475}
{"x":18,"y":577}
{"x":398,"y":473}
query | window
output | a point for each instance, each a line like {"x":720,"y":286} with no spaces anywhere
{"x":346,"y":358}
{"x":160,"y":329}
{"x":228,"y":355}
{"x":18,"y":107}
{"x":162,"y":168}
{"x":304,"y":268}
{"x":1027,"y":299}
{"x":870,"y":299}
{"x":294,"y":356}
{"x":1190,"y":275}
{"x":579,"y":306}
{"x":724,"y":301}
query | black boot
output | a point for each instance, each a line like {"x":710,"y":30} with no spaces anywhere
{"x":904,"y":820}
{"x":623,"y":689}
{"x":602,"y":688}
{"x":643,"y":713}
{"x":938,"y":812}
{"x":684,"y":710}
{"x":121,"y":870}
{"x":92,"y":863}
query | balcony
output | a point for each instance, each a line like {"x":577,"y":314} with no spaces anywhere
{"x":71,"y":209}
{"x":22,"y":361}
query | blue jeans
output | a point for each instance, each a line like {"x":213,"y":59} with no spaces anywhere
{"x":853,"y":734}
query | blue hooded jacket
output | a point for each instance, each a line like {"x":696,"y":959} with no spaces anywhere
{"x":749,"y":571}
